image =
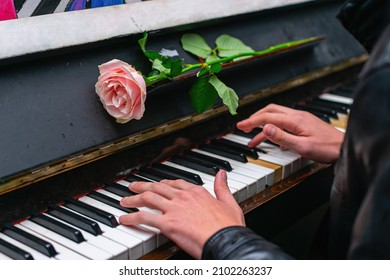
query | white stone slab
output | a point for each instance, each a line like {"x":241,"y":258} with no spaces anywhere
{"x":60,"y":30}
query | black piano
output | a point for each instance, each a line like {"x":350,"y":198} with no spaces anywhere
{"x":65,"y":162}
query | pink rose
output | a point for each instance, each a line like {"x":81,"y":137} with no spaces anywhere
{"x":122,"y":90}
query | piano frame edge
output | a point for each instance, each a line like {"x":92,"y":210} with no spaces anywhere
{"x":40,"y":173}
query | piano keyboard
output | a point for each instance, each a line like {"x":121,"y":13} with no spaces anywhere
{"x":87,"y":227}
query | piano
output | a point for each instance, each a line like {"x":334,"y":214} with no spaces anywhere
{"x":65,"y":163}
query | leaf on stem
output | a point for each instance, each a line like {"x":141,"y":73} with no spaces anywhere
{"x":202,"y":94}
{"x":228,"y":95}
{"x":228,"y":46}
{"x":196,"y":45}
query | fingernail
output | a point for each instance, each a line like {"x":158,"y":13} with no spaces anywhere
{"x":223,"y":175}
{"x":270,"y":130}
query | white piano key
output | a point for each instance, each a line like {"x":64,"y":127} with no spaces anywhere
{"x":207,"y":185}
{"x":235,"y":186}
{"x":4,"y":257}
{"x":241,"y":169}
{"x":148,"y":237}
{"x":286,"y":166}
{"x":272,"y":150}
{"x":36,"y":255}
{"x":83,"y":248}
{"x":336,"y":98}
{"x":268,"y":172}
{"x":63,"y":252}
{"x":118,"y":251}
{"x":134,"y":245}
{"x":161,"y":238}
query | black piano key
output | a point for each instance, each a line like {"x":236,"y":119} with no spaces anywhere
{"x":58,"y":227}
{"x":318,"y":110}
{"x":196,"y":165}
{"x":343,"y":91}
{"x":14,"y":252}
{"x":339,"y":108}
{"x":92,"y":212}
{"x":252,"y":134}
{"x":136,"y":178}
{"x":111,"y":202}
{"x":177,"y":173}
{"x":322,"y":116}
{"x":30,"y":240}
{"x":222,"y":164}
{"x":118,"y":189}
{"x":225,"y":152}
{"x":153,"y":175}
{"x":250,"y":152}
{"x":75,"y":219}
{"x":333,"y":102}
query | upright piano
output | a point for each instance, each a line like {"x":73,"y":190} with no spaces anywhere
{"x":65,"y":163}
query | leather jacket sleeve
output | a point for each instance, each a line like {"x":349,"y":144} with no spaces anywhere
{"x":240,"y":243}
{"x":365,"y":19}
{"x":360,"y":199}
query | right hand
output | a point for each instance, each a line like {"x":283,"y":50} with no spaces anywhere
{"x":297,"y":130}
{"x":188,"y":214}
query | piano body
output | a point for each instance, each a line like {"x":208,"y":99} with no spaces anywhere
{"x":60,"y":148}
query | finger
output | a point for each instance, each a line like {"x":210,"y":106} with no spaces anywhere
{"x":160,"y":188}
{"x":146,"y":199}
{"x":281,"y":137}
{"x":284,"y":121}
{"x":257,"y":140}
{"x":179,"y":184}
{"x":142,"y":217}
{"x":221,"y":188}
{"x":274,"y":108}
{"x":247,"y":125}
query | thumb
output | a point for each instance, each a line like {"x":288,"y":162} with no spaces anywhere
{"x":221,"y":188}
{"x":280,"y":137}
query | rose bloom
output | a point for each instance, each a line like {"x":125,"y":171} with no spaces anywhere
{"x":122,"y":90}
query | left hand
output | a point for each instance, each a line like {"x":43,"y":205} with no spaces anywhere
{"x":190,"y":215}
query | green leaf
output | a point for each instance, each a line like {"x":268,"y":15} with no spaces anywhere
{"x":228,"y":46}
{"x":176,"y":67}
{"x":215,"y":68}
{"x":228,"y":96}
{"x":203,"y":71}
{"x":156,"y":78}
{"x":142,"y":42}
{"x":158,"y":65}
{"x":196,"y":45}
{"x":212,"y":57}
{"x":153,"y":55}
{"x":202,"y":94}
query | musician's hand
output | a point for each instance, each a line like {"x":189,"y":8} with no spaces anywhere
{"x":297,"y":130}
{"x":190,"y":215}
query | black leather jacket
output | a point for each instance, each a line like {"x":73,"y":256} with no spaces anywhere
{"x":359,"y":223}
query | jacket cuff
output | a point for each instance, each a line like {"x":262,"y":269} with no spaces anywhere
{"x":239,"y":242}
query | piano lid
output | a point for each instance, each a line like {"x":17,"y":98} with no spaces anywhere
{"x":51,"y":118}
